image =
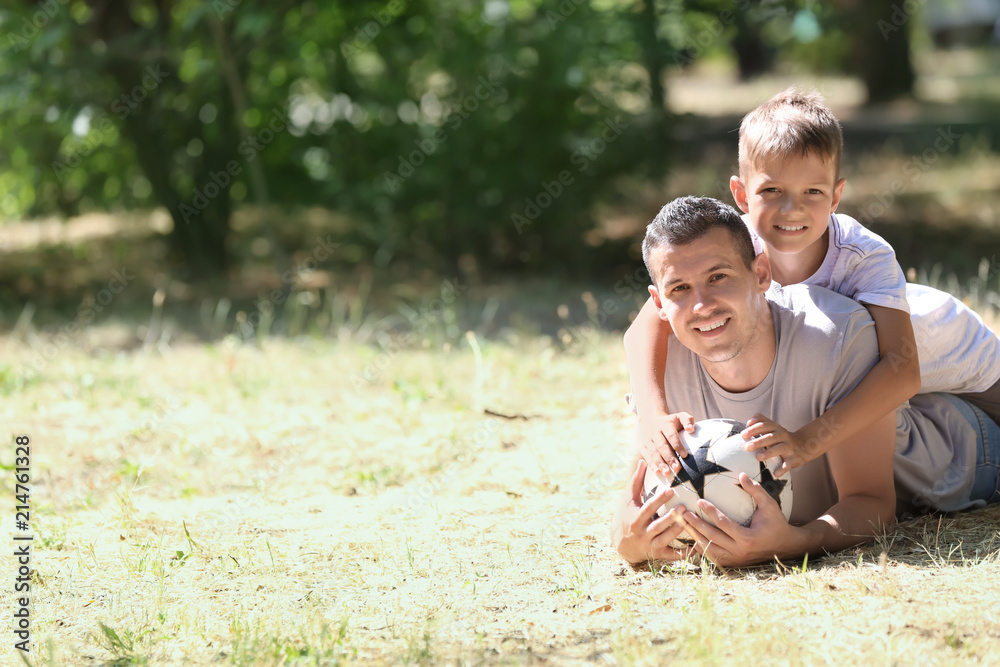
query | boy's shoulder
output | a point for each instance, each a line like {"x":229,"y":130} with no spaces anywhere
{"x":848,"y":233}
{"x":814,"y":304}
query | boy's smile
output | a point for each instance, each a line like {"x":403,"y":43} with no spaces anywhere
{"x":790,"y":200}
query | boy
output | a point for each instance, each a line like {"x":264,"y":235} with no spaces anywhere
{"x":789,"y":185}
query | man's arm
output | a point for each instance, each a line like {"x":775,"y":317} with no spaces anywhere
{"x":862,"y":471}
{"x":646,"y":342}
{"x":636,"y":533}
{"x":893,"y":380}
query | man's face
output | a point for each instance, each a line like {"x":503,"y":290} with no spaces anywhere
{"x":711,"y":299}
{"x":790,"y":200}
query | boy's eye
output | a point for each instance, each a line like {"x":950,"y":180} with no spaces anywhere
{"x":678,"y":288}
{"x":814,"y":191}
{"x":717,"y":277}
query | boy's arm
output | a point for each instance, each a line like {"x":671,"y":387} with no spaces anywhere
{"x":893,"y":380}
{"x":646,"y":359}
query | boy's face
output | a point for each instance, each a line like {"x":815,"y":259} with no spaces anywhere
{"x":789,"y":200}
{"x":709,"y":296}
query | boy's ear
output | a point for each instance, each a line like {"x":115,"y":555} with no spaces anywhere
{"x":739,"y":190}
{"x":838,"y":190}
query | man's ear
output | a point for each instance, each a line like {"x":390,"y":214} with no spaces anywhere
{"x":655,"y":295}
{"x":762,"y":267}
{"x":739,"y":190}
{"x":838,"y":190}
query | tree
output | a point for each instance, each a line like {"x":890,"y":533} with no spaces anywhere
{"x":441,"y":129}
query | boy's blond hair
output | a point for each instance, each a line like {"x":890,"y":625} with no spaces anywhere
{"x":790,"y":123}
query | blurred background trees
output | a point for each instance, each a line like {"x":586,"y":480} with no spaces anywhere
{"x":440,"y":130}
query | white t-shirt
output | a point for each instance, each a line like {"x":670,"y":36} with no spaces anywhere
{"x":859,"y":264}
{"x":957,"y":352}
{"x":825,"y":344}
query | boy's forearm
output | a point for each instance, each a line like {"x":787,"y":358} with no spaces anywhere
{"x":883,"y":389}
{"x":646,"y":359}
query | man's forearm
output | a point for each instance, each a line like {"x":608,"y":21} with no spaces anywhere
{"x":851,"y":521}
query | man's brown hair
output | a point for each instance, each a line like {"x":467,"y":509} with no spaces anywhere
{"x":792,"y":122}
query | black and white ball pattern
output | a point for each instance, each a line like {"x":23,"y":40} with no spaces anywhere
{"x":717,"y":456}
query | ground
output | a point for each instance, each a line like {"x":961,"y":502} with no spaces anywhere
{"x":317,"y":500}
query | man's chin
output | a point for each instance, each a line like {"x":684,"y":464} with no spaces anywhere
{"x":719,"y":355}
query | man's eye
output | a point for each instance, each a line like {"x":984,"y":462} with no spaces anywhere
{"x":679,"y":288}
{"x":718,"y":276}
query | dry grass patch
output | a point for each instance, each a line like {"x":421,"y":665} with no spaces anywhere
{"x":229,"y":504}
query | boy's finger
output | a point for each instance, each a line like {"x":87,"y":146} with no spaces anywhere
{"x":689,"y":424}
{"x":677,"y":444}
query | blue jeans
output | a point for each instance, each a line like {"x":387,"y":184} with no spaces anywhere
{"x":987,"y":481}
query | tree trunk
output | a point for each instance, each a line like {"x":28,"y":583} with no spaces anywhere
{"x":881,"y":41}
{"x":198,"y":240}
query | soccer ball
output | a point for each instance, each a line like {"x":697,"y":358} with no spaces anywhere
{"x":711,"y":470}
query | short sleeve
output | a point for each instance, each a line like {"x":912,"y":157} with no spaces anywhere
{"x":867,"y":270}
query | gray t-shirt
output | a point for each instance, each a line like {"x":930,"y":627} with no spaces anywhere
{"x":825,"y":344}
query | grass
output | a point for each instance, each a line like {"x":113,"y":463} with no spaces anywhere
{"x":329,"y":496}
{"x":267,"y":510}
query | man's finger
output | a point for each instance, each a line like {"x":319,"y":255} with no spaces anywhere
{"x":756,"y":491}
{"x":653,"y":505}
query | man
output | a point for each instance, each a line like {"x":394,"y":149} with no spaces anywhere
{"x":783,"y":357}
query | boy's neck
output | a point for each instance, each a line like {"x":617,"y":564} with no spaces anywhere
{"x":792,"y":268}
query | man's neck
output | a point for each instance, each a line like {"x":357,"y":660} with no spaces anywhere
{"x":750,"y":367}
{"x":793,"y":268}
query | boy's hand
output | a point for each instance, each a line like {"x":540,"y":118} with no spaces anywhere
{"x":770,"y":439}
{"x":659,"y":440}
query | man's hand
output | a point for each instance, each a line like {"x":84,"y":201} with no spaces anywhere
{"x":636,"y":533}
{"x":659,"y":441}
{"x":728,"y":543}
{"x":770,"y":439}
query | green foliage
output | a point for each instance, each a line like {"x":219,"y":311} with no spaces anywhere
{"x":440,"y":128}
{"x":432,"y":124}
